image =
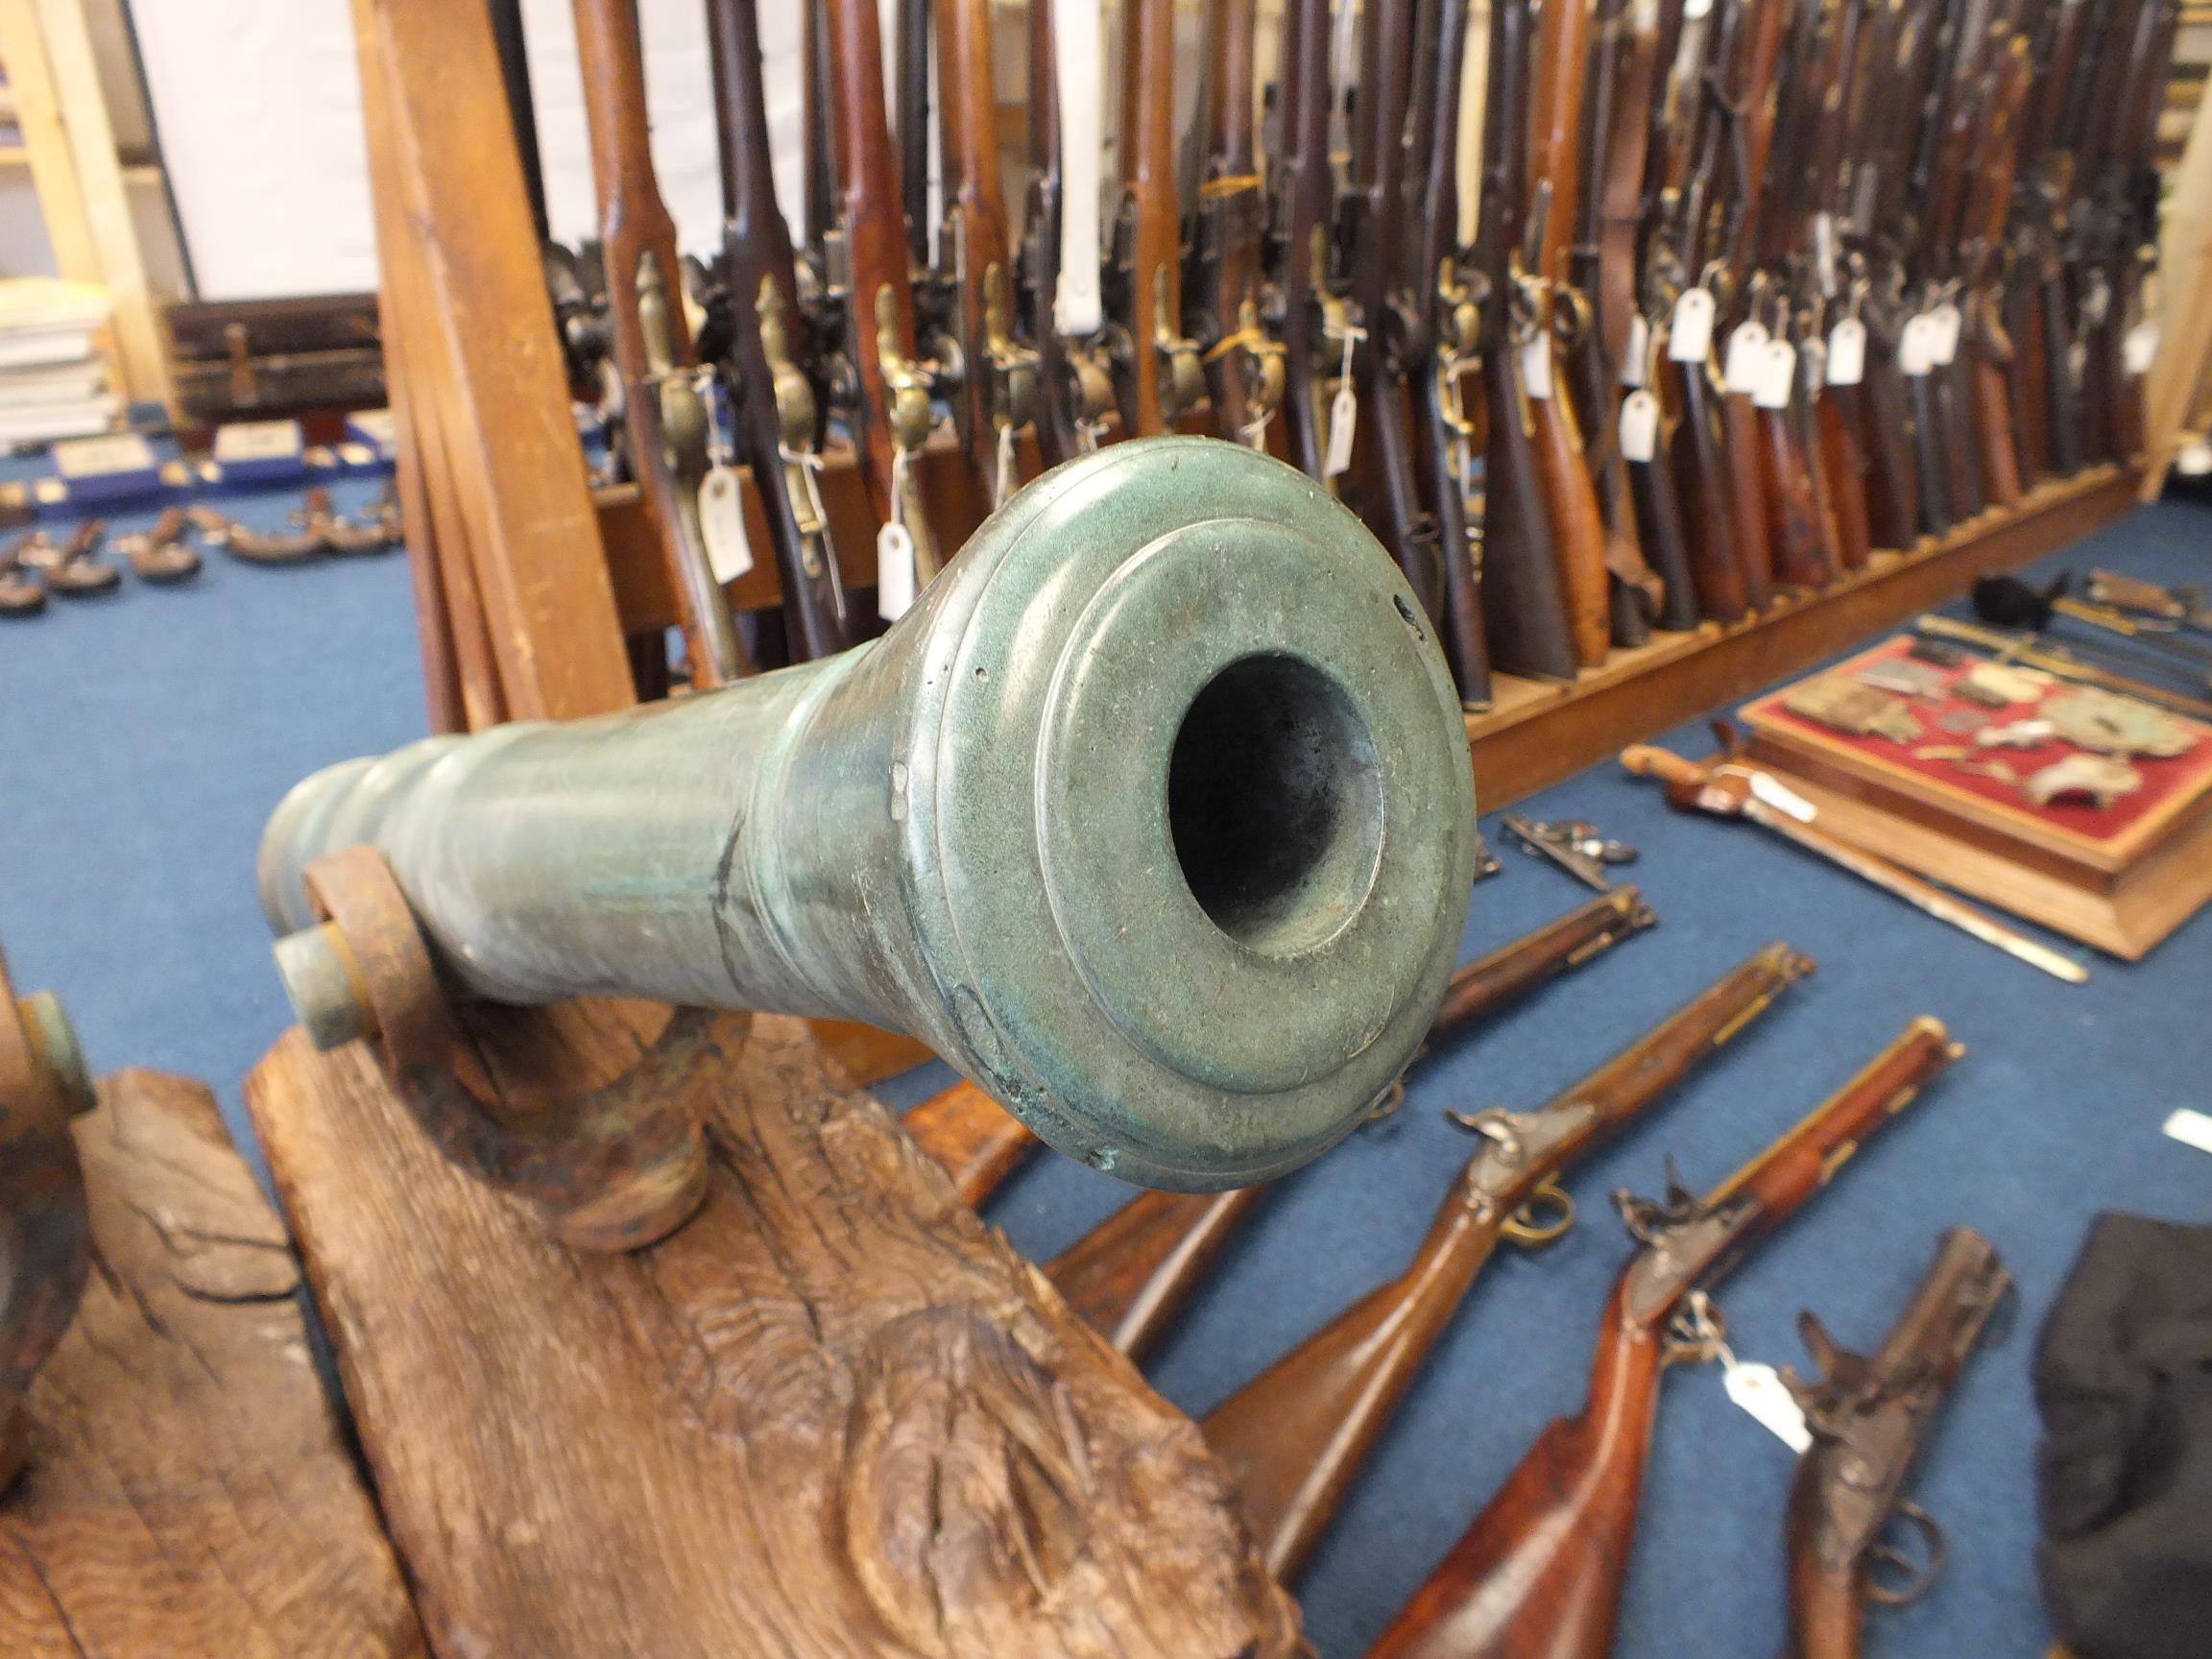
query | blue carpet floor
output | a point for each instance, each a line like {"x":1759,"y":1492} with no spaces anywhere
{"x":146,"y":738}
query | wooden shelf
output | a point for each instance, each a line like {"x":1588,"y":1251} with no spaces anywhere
{"x":1539,"y":733}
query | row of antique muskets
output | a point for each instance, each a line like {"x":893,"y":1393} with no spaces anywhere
{"x":1755,"y":287}
{"x":1542,"y":1568}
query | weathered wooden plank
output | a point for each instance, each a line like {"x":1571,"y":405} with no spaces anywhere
{"x":833,"y":1415}
{"x":189,"y":1495}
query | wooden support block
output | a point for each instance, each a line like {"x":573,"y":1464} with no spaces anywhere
{"x":189,"y":1495}
{"x":833,"y":1415}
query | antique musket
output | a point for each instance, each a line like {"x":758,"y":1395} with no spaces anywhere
{"x":1226,"y":232}
{"x":778,"y":401}
{"x":1305,"y":311}
{"x":1294,"y":1438}
{"x":1538,"y":1575}
{"x":1732,"y":790}
{"x":857,"y":228}
{"x":1868,"y":1419}
{"x":1106,"y":821}
{"x":994,"y":386}
{"x":1158,"y":373}
{"x":45,"y":1232}
{"x":1443,"y":352}
{"x":1132,"y":1275}
{"x":1560,"y":59}
{"x":979,"y":1144}
{"x":1524,"y":594}
{"x":1060,"y":256}
{"x":1381,"y":486}
{"x":663,"y":416}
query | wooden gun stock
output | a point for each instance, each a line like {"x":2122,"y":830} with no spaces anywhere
{"x":1131,"y":1276}
{"x":1741,"y":444}
{"x":1707,"y":484}
{"x":663,"y":420}
{"x":1837,"y":419}
{"x":1539,"y":1573}
{"x":1792,"y":515}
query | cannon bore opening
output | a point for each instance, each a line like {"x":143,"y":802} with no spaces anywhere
{"x":1275,"y":803}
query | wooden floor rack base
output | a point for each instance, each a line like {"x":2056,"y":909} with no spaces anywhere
{"x":1538,"y":733}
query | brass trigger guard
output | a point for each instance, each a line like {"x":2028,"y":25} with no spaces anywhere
{"x":1918,"y":1574}
{"x":1527,"y":1227}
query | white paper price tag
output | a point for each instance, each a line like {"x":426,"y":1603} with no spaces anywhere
{"x":1943,"y":345}
{"x":1848,"y":353}
{"x":1777,"y":376}
{"x":1638,"y":357}
{"x":1697,"y":9}
{"x":1343,"y":425}
{"x":1536,"y":367}
{"x":722,"y":524}
{"x":2191,"y":1129}
{"x":1760,"y":1390}
{"x":1917,"y":347}
{"x":1692,"y":334}
{"x":1745,"y":363}
{"x":894,"y":571}
{"x":2140,"y":350}
{"x":1639,"y":426}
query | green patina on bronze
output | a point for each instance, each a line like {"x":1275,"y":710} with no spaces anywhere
{"x":1154,"y":817}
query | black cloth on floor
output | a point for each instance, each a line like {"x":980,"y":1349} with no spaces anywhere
{"x":2124,"y":1380}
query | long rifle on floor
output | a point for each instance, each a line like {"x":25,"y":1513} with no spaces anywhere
{"x":857,"y":228}
{"x":1158,"y":376}
{"x":1541,"y":1569}
{"x":779,"y":404}
{"x":665,"y":418}
{"x":1132,"y":1275}
{"x":1294,"y":1438}
{"x":1060,"y":253}
{"x":979,"y":1143}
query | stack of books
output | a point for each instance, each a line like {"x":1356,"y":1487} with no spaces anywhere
{"x":53,"y":374}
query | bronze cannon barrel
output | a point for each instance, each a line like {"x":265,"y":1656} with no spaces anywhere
{"x":1153,"y":816}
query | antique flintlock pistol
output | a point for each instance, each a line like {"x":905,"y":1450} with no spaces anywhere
{"x":1869,"y":1418}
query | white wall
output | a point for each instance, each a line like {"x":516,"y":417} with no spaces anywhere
{"x":259,"y":107}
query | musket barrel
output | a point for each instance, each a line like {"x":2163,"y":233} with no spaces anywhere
{"x":1154,"y":817}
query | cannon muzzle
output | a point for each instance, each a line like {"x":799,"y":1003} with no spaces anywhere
{"x":1153,"y":817}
